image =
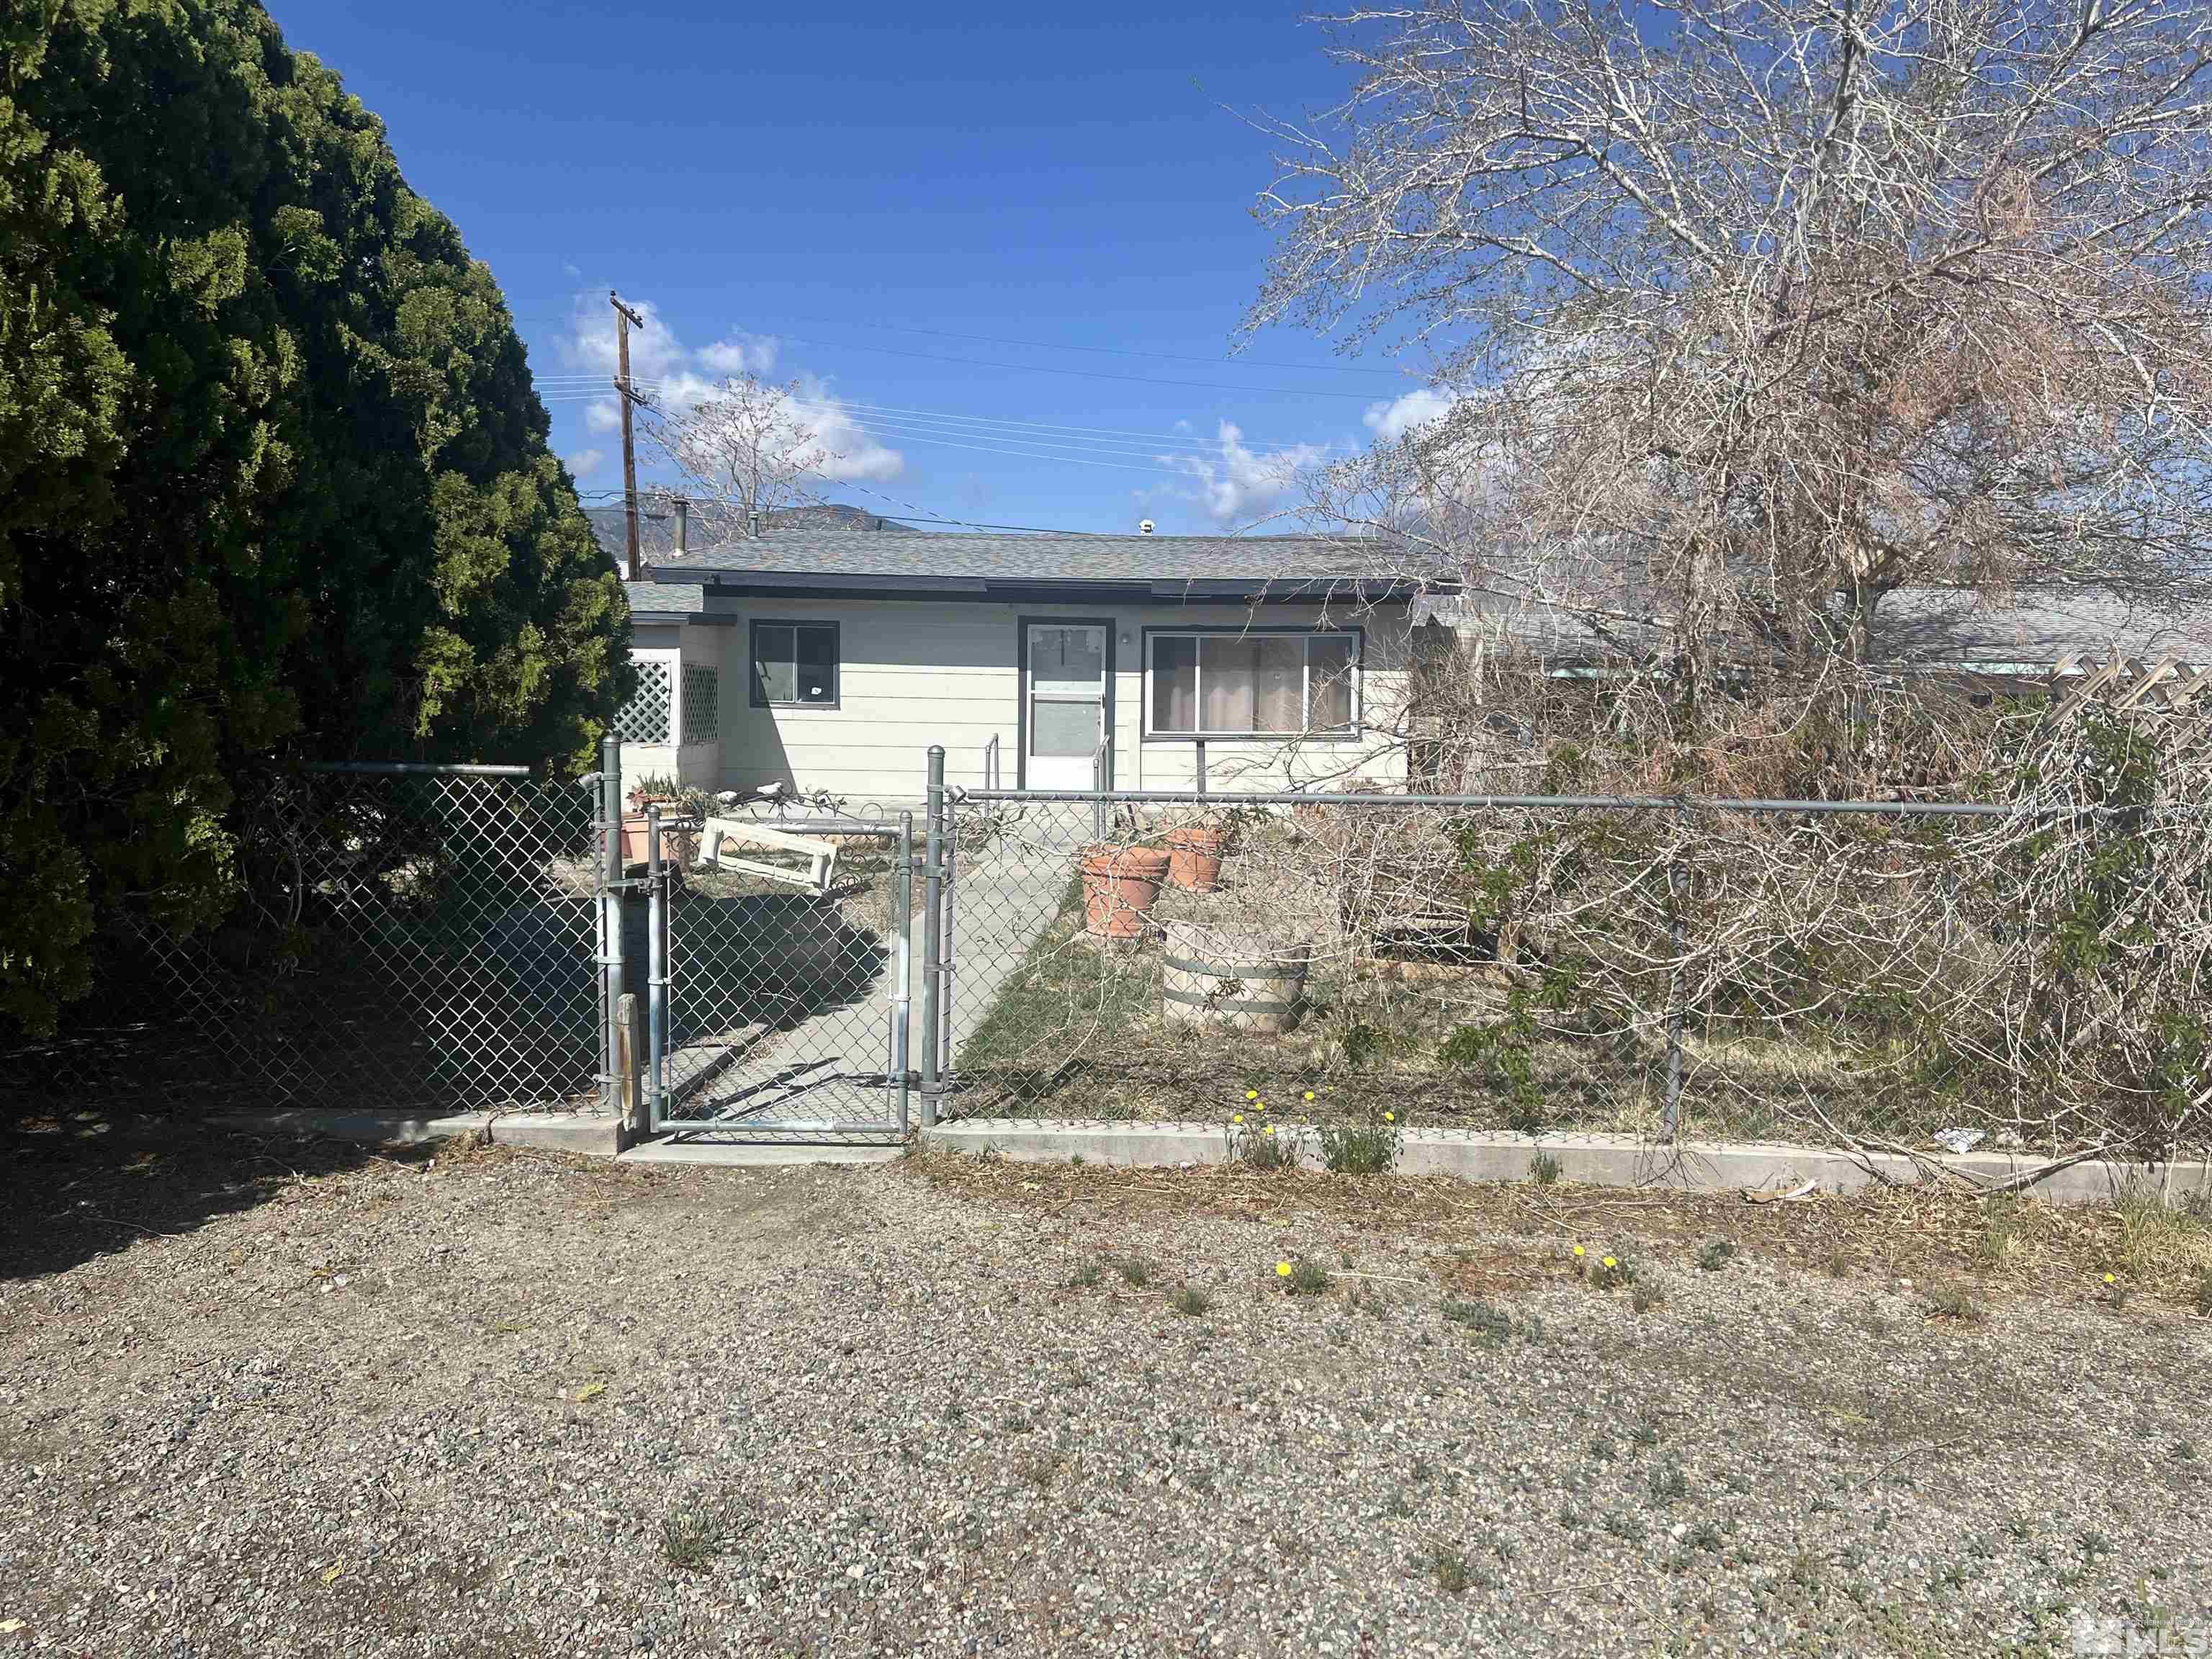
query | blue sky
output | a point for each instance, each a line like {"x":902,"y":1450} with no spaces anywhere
{"x":794,"y":185}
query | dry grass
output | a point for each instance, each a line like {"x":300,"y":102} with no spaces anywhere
{"x":1922,"y":1234}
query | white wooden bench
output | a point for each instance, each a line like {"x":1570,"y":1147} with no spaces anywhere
{"x":821,"y":856}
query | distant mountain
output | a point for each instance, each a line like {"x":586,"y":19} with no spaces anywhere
{"x":713,"y":524}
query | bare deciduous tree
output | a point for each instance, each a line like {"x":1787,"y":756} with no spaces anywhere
{"x":749,"y":444}
{"x":1757,"y":310}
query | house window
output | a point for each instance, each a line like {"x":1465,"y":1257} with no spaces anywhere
{"x":1253,"y":684}
{"x":794,"y":665}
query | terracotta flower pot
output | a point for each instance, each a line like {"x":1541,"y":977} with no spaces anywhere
{"x":1194,"y":856}
{"x":674,"y":843}
{"x":1121,"y":884}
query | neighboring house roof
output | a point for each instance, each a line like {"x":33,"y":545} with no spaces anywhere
{"x":1274,"y":567}
{"x":2036,"y":627}
{"x":1914,"y":627}
{"x":712,"y":522}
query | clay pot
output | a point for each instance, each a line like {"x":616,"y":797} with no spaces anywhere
{"x":1194,"y":856}
{"x":1121,"y":884}
{"x":636,"y":842}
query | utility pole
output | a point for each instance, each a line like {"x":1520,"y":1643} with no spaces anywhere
{"x":623,"y":318}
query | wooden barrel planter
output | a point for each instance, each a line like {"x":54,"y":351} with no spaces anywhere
{"x":1194,"y":852}
{"x":1208,"y":978}
{"x":1121,"y":884}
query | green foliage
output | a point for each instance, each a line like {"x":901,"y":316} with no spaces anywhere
{"x":272,"y":473}
{"x":1365,"y":1145}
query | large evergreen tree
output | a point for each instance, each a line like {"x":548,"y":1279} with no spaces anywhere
{"x":272,"y":475}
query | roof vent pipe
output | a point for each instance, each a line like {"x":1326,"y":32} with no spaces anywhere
{"x":683,"y":505}
{"x":754,"y":521}
{"x":1144,"y":528}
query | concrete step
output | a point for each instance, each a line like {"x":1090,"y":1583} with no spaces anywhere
{"x":755,"y":1155}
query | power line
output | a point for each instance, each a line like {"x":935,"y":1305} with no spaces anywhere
{"x":1082,"y":374}
{"x":1116,"y":351}
{"x":1014,"y":426}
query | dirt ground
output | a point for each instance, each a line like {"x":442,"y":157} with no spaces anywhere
{"x":275,"y":1397}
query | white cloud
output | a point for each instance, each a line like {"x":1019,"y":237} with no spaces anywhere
{"x":675,"y":376}
{"x":855,"y":453}
{"x":741,"y":354}
{"x":584,"y":462}
{"x":1236,"y":481}
{"x":1393,"y":420}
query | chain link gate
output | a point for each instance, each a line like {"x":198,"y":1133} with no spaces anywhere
{"x":777,"y":999}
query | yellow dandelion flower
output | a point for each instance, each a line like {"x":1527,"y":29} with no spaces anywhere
{"x":1239,"y":1118}
{"x":1251,"y":1094}
{"x":1580,"y":1251}
{"x":1282,"y":1270}
{"x":2111,"y":1278}
{"x":1610,"y":1262}
{"x":1389,"y":1117}
{"x":1269,"y":1130}
{"x":1308,"y":1094}
{"x":1263,"y":1105}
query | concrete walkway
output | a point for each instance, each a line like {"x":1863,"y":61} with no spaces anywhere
{"x":814,"y":1080}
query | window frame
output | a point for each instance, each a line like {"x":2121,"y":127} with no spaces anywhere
{"x":1307,"y":734}
{"x":758,"y":697}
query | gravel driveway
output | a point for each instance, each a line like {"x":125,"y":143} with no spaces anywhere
{"x":281,"y":1398}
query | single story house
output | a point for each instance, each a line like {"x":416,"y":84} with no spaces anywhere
{"x":832,"y":657}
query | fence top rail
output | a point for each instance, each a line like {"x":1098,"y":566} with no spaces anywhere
{"x":1218,"y":799}
{"x":389,"y":768}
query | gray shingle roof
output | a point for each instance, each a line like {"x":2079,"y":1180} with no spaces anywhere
{"x":1276,"y":562}
{"x":665,"y":599}
{"x":1924,"y":626}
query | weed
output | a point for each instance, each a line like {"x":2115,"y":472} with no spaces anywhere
{"x":1951,"y":1576}
{"x":689,"y":1538}
{"x":1305,"y":1277}
{"x":1573,"y":1519}
{"x":1645,"y":1434}
{"x":1607,"y":1272}
{"x":2184,"y":1451}
{"x":2092,"y":1544}
{"x":1136,"y":1271}
{"x":1450,"y":1569}
{"x":1364,"y":1148}
{"x":1605,"y":1449}
{"x":1805,"y":1571}
{"x":1489,"y":1325}
{"x":1647,"y":1295}
{"x":1666,"y":1483}
{"x":1954,"y":1302}
{"x":1714,"y":1253}
{"x":1423,"y":1469}
{"x":1704,"y":1536}
{"x":1188,"y":1299}
{"x":1626,"y":1528}
{"x":1258,"y":1147}
{"x":2001,"y":1226}
{"x":1089,"y":1275}
{"x":1543,"y":1168}
{"x":1398,"y":1508}
{"x":1037,"y":1471}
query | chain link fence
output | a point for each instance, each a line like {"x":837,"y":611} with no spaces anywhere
{"x":779,"y":980}
{"x":404,"y":938}
{"x":1865,"y":972}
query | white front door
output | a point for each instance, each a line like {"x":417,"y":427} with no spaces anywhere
{"x":1064,"y":704}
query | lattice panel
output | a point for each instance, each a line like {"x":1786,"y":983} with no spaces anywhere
{"x":702,"y":703}
{"x":644,"y":718}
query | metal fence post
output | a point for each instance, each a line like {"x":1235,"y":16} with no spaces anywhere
{"x":1672,"y":1121}
{"x":902,"y":977}
{"x":948,"y":978}
{"x":656,"y":971}
{"x":933,"y":918}
{"x":610,"y":875}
